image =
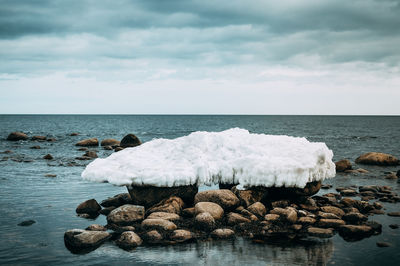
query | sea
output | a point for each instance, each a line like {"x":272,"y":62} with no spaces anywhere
{"x":26,"y":193}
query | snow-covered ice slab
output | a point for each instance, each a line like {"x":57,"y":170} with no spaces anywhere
{"x":233,"y":156}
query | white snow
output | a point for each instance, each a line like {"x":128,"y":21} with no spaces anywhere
{"x":206,"y":158}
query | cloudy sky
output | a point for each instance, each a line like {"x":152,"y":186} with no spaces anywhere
{"x":200,"y":57}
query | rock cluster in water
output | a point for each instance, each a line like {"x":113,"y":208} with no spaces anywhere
{"x":256,"y":213}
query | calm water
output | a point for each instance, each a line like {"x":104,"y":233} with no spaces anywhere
{"x":25,"y":192}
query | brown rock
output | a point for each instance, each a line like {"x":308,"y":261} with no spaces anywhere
{"x":332,"y":209}
{"x":130,"y":140}
{"x":164,"y":215}
{"x":235,"y":218}
{"x":320,"y":232}
{"x":181,"y":235}
{"x":15,"y":136}
{"x":148,"y":196}
{"x":280,"y":203}
{"x":117,"y":200}
{"x":109,"y":142}
{"x":188,"y":212}
{"x":117,"y":149}
{"x":377,"y":158}
{"x":39,"y":138}
{"x":395,"y":214}
{"x":48,"y":157}
{"x":96,"y":227}
{"x":306,"y":220}
{"x":289,"y":214}
{"x":330,"y":223}
{"x":348,"y":192}
{"x":90,"y":206}
{"x":249,"y":196}
{"x":90,"y":154}
{"x":354,"y":218}
{"x":257,"y":209}
{"x":88,"y":142}
{"x":126,"y":214}
{"x":153,"y":237}
{"x":159,"y":224}
{"x":78,"y":240}
{"x":108,"y":148}
{"x":36,"y":147}
{"x":222,"y":233}
{"x":205,"y":221}
{"x":310,"y":189}
{"x":171,"y":205}
{"x":327,"y":215}
{"x":106,"y":211}
{"x":271,"y":217}
{"x":249,"y":215}
{"x":129,"y":240}
{"x":355,"y":231}
{"x":343,"y":165}
{"x":74,"y":134}
{"x":212,"y":208}
{"x":223,"y":197}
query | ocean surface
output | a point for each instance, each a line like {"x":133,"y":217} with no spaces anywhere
{"x":25,"y":192}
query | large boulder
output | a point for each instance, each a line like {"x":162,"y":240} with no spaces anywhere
{"x":129,"y":240}
{"x":90,"y":207}
{"x":212,"y":208}
{"x":223,"y":197}
{"x":109,"y":142}
{"x":148,"y":196}
{"x":377,"y":158}
{"x":170,"y":205}
{"x":117,"y":200}
{"x":126,"y":214}
{"x":88,"y":142}
{"x":130,"y":140}
{"x":79,"y":240}
{"x":343,"y":165}
{"x":15,"y":136}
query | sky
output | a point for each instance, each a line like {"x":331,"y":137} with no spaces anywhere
{"x":332,"y":57}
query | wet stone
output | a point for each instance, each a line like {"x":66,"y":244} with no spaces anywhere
{"x":320,"y":232}
{"x":129,"y":240}
{"x":222,"y":233}
{"x":27,"y":223}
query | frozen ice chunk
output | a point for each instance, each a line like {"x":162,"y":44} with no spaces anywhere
{"x":233,"y":156}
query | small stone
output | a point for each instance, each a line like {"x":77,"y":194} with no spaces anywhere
{"x":181,"y":235}
{"x":330,"y":223}
{"x":91,"y":154}
{"x":257,"y":209}
{"x":15,"y":136}
{"x":172,"y":205}
{"x":107,"y":210}
{"x":50,"y":175}
{"x":394,"y":226}
{"x":109,"y":142}
{"x":74,"y":134}
{"x":222,"y":233}
{"x":354,"y":218}
{"x":383,"y":244}
{"x":271,"y":217}
{"x":159,"y":224}
{"x":289,"y":213}
{"x":306,"y":220}
{"x":343,"y":165}
{"x":348,"y":192}
{"x":83,"y":149}
{"x":36,"y":147}
{"x":327,"y":215}
{"x":164,"y":215}
{"x":108,"y":148}
{"x":96,"y":227}
{"x":235,"y":218}
{"x":391,"y":175}
{"x":326,"y":186}
{"x":48,"y":157}
{"x":394,"y":214}
{"x":320,"y":232}
{"x":205,"y":221}
{"x":212,"y":208}
{"x":129,"y":240}
{"x":280,"y":203}
{"x":90,"y":207}
{"x":39,"y":138}
{"x":377,"y":158}
{"x":27,"y":223}
{"x":333,"y":209}
{"x":88,"y":142}
{"x":355,"y":231}
{"x":153,"y":237}
{"x":117,"y":149}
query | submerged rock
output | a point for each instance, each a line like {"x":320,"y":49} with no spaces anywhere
{"x":148,"y":196}
{"x":377,"y":158}
{"x":109,"y":142}
{"x":130,"y":140}
{"x":90,"y":154}
{"x":129,"y":240}
{"x":39,"y":138}
{"x":88,"y":142}
{"x":383,"y":244}
{"x":15,"y":136}
{"x":48,"y":157}
{"x":343,"y":165}
{"x":90,"y":207}
{"x":27,"y":223}
{"x":355,"y":231}
{"x":126,"y":214}
{"x":223,"y":197}
{"x":77,"y":240}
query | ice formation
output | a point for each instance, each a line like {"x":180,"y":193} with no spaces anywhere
{"x":233,"y":156}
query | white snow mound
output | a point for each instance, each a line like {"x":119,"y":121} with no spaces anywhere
{"x":233,"y":156}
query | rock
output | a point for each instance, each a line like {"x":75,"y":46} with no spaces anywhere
{"x":327,"y":186}
{"x":48,"y":157}
{"x":39,"y":138}
{"x":181,"y":235}
{"x":117,"y":200}
{"x":391,"y":175}
{"x":109,"y":142}
{"x":355,"y":231}
{"x":235,"y":218}
{"x":26,"y":223}
{"x":354,"y":218}
{"x":107,"y":210}
{"x":271,"y":217}
{"x":90,"y":207}
{"x":204,"y":221}
{"x":362,"y":171}
{"x":395,"y":214}
{"x":348,"y":192}
{"x":158,"y":224}
{"x":249,"y":196}
{"x":188,"y":212}
{"x":130,"y":140}
{"x":280,"y":203}
{"x":50,"y":175}
{"x":164,"y":215}
{"x":306,"y":220}
{"x":96,"y":227}
{"x":257,"y":209}
{"x":289,"y":214}
{"x":117,"y":149}
{"x":126,"y":214}
{"x":83,"y":149}
{"x":327,"y":215}
{"x":15,"y":136}
{"x":88,"y":142}
{"x":330,"y":223}
{"x":129,"y":240}
{"x":343,"y":165}
{"x":320,"y":232}
{"x":90,"y":154}
{"x":108,"y":148}
{"x":51,"y":139}
{"x":332,"y":209}
{"x":377,"y":158}
{"x":212,"y":208}
{"x":223,"y":233}
{"x":78,"y":240}
{"x":171,"y":205}
{"x":394,"y":226}
{"x":74,"y":134}
{"x":147,"y":196}
{"x":223,"y":197}
{"x":36,"y":147}
{"x":310,"y":189}
{"x":153,"y":237}
{"x":249,"y":215}
{"x":383,"y":244}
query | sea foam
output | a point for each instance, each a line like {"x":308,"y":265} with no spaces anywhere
{"x":233,"y":156}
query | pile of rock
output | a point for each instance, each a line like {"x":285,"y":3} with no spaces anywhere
{"x":226,"y":213}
